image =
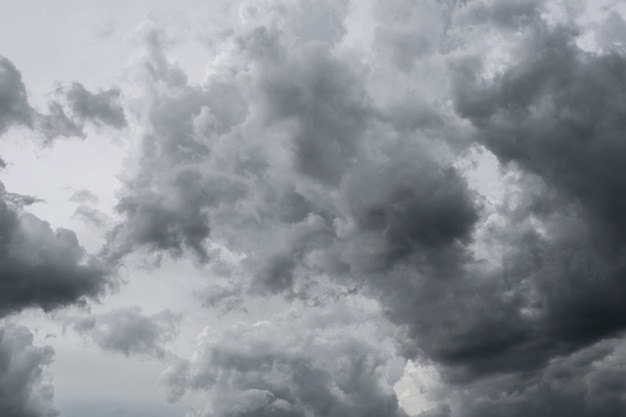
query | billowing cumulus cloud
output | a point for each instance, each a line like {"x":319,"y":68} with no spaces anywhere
{"x":336,"y":168}
{"x":308,"y":171}
{"x":311,"y":361}
{"x":129,"y":331}
{"x":23,"y":391}
{"x":42,"y":267}
{"x":555,"y":113}
{"x":283,"y":157}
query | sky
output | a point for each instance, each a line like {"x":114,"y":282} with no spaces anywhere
{"x":313,"y":208}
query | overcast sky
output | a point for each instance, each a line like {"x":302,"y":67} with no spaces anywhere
{"x":313,"y":208}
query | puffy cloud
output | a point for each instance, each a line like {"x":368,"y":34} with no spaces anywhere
{"x":42,"y":267}
{"x":23,"y":389}
{"x":129,"y":331}
{"x":286,"y":147}
{"x":302,"y":362}
{"x":167,"y":199}
{"x":292,"y":154}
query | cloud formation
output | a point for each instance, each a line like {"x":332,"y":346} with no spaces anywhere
{"x":329,"y":165}
{"x":14,"y":107}
{"x":23,"y":391}
{"x":101,"y":108}
{"x":310,"y":171}
{"x":42,"y":267}
{"x":129,"y":331}
{"x":319,"y":361}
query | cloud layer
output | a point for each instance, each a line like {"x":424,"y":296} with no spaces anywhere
{"x":327,"y":179}
{"x":336,"y":169}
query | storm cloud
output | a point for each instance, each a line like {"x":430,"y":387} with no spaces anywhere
{"x":42,"y":267}
{"x":444,"y":187}
{"x":378,"y":203}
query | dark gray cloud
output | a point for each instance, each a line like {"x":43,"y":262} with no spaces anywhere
{"x":559,"y":115}
{"x":589,"y":382}
{"x":531,"y":332}
{"x":23,"y":390}
{"x":556,"y":113}
{"x":42,"y":267}
{"x":129,"y":331}
{"x":291,"y":154}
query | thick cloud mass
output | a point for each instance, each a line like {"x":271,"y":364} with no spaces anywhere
{"x":326,"y":163}
{"x":315,"y":162}
{"x":302,"y":362}
{"x":41,"y":267}
{"x":556,"y":112}
{"x":23,"y":393}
